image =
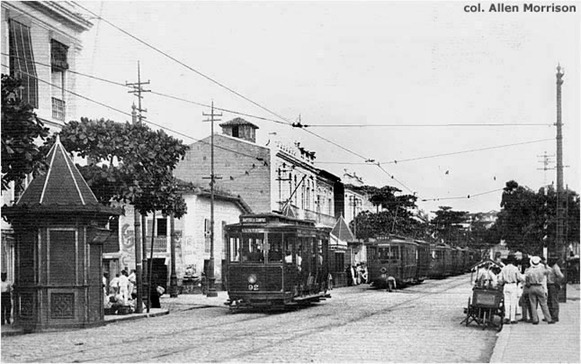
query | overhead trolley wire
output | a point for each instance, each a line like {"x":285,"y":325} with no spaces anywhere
{"x":462,"y":197}
{"x":420,"y":125}
{"x":287,"y":122}
{"x":156,"y":93}
{"x":186,"y":66}
{"x":447,"y":154}
{"x":129,"y":114}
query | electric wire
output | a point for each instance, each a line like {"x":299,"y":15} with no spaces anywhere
{"x":129,"y":114}
{"x":185,"y":65}
{"x":235,"y":151}
{"x":420,"y":125}
{"x":446,"y":154}
{"x":204,"y":75}
{"x":155,"y":92}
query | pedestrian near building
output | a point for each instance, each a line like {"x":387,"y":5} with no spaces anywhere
{"x":132,"y":284}
{"x":114,"y":285}
{"x":534,"y":278}
{"x":124,"y":287}
{"x":554,"y":279}
{"x":509,"y":277}
{"x":6,"y":299}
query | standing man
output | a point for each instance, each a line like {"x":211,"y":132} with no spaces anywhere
{"x":6,"y":299}
{"x":510,"y":277}
{"x":554,"y":278}
{"x":534,"y":278}
{"x":124,"y":287}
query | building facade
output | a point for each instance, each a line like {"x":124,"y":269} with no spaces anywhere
{"x":192,"y":233}
{"x":41,"y":42}
{"x":269,"y":178}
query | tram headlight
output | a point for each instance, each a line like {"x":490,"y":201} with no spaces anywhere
{"x":252,"y":278}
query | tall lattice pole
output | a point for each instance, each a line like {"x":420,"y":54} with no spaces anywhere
{"x":560,"y":248}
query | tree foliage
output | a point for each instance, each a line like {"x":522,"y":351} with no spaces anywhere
{"x":20,"y":129}
{"x":528,"y":219}
{"x":397,"y":216}
{"x":128,"y":162}
{"x":448,"y":225}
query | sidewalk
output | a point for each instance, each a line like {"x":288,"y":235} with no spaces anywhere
{"x":543,"y":343}
{"x":183,"y":302}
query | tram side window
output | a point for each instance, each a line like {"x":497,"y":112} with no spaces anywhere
{"x":395,"y":254}
{"x":372,"y":253}
{"x":275,"y":247}
{"x":234,"y":249}
{"x":290,"y":249}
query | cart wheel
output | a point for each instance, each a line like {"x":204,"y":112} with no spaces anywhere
{"x":468,"y":311}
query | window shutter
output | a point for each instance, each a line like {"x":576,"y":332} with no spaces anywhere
{"x":22,"y":62}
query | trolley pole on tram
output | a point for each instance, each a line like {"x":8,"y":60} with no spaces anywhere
{"x":210,"y":277}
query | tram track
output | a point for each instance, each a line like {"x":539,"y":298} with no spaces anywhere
{"x":131,"y":350}
{"x":306,"y":332}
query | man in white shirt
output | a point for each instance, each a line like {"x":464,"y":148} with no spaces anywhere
{"x":510,"y":276}
{"x":124,"y":287}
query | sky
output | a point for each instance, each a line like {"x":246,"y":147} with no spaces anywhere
{"x":381,"y":84}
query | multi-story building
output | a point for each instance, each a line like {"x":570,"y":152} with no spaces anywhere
{"x":276,"y":177}
{"x":41,"y":42}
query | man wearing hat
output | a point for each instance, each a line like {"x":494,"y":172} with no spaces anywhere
{"x":510,"y":277}
{"x":534,"y":278}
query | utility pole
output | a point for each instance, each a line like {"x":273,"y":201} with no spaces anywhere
{"x":560,"y":248}
{"x":210,"y":269}
{"x":279,"y":178}
{"x":173,"y":278}
{"x":547,"y":162}
{"x":137,"y":90}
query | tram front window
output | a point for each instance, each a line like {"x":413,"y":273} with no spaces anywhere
{"x":252,"y":249}
{"x":275,"y":252}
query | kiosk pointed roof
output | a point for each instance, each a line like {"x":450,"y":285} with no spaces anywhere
{"x":341,"y":230}
{"x":62,"y":187}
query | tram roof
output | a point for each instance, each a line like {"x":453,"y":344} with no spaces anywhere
{"x":394,"y":239}
{"x":273,"y":219}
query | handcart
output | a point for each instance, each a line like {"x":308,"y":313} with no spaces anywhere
{"x":485,"y":308}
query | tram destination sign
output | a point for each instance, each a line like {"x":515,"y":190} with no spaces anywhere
{"x":253,"y":231}
{"x":253,"y":220}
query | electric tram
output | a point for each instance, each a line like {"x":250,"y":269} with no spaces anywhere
{"x":275,"y":261}
{"x":393,"y":261}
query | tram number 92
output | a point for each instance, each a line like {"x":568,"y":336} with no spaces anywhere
{"x":253,"y":287}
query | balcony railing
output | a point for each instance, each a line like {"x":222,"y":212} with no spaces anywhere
{"x":58,"y":109}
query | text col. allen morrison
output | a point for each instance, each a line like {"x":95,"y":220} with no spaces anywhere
{"x":520,"y":8}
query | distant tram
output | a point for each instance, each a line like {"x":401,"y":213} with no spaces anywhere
{"x":395,"y":261}
{"x":275,"y":261}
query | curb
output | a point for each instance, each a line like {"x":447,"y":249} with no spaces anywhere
{"x":500,"y":345}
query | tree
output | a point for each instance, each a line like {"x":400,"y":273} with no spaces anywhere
{"x":128,"y":162}
{"x":447,"y":225}
{"x":21,"y":156}
{"x":395,"y":218}
{"x":527,"y":220}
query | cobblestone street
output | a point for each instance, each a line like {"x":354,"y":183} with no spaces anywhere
{"x":416,"y":324}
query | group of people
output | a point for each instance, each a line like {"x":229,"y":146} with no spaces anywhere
{"x":536,"y":283}
{"x":356,"y":274}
